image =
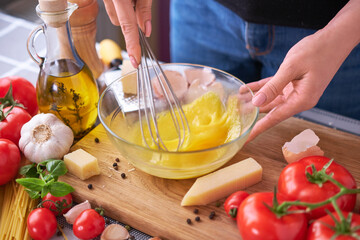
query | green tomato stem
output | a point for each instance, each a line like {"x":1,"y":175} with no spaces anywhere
{"x":310,"y":206}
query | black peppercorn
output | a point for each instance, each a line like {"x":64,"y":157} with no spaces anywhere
{"x":212,"y":215}
{"x":196,"y":211}
{"x":97,"y":140}
{"x":197,"y":219}
{"x":90,"y":186}
{"x":114,"y":164}
{"x":188,"y":221}
{"x":117,"y":159}
{"x":123,"y":175}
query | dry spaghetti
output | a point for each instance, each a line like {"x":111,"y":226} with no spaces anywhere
{"x":15,"y":205}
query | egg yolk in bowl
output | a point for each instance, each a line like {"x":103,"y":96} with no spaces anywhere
{"x":211,"y":124}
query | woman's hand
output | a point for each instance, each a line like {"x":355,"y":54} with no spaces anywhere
{"x":299,"y":82}
{"x":122,"y":13}
{"x":307,"y":69}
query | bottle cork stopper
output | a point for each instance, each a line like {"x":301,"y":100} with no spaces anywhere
{"x":52,"y":5}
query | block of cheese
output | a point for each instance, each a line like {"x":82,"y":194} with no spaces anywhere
{"x":82,"y":164}
{"x":223,"y":182}
{"x":129,"y":83}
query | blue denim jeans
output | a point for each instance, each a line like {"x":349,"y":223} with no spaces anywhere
{"x":206,"y":32}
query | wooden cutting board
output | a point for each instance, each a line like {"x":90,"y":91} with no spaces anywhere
{"x":152,"y":205}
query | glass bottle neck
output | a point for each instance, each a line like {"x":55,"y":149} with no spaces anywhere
{"x":59,"y":44}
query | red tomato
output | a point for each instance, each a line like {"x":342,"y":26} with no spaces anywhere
{"x":10,"y":127}
{"x":257,"y":222}
{"x":320,"y":230}
{"x":9,"y":160}
{"x":233,"y":202}
{"x":62,"y":204}
{"x":23,"y":91}
{"x":88,"y":224}
{"x":41,"y":224}
{"x":294,"y":185}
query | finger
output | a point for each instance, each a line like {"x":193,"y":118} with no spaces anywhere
{"x":268,"y":107}
{"x":127,"y":19}
{"x":255,"y":86}
{"x":274,"y":87}
{"x":110,"y":9}
{"x":245,"y":96}
{"x":143,"y":14}
{"x":275,"y":116}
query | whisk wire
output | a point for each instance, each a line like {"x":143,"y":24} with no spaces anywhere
{"x":147,"y":96}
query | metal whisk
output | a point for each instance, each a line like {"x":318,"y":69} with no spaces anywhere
{"x":145,"y":95}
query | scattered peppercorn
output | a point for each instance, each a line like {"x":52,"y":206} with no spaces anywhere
{"x":123,"y":175}
{"x":188,"y":221}
{"x":218,"y":204}
{"x":196,"y":211}
{"x":127,"y":227}
{"x":90,"y":186}
{"x":114,"y":164}
{"x":117,"y":159}
{"x":212,"y":215}
{"x":116,"y":168}
{"x":197,"y":219}
{"x":97,"y":140}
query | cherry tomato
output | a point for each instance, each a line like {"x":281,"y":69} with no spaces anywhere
{"x":294,"y":185}
{"x":88,"y":224}
{"x":23,"y":91}
{"x":10,"y":127}
{"x":41,"y":224}
{"x":257,"y":222}
{"x":9,"y":160}
{"x":233,"y":202}
{"x":321,"y":228}
{"x":62,"y":204}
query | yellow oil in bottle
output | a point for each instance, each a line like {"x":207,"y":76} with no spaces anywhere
{"x":70,"y":92}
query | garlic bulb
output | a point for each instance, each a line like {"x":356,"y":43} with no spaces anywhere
{"x":45,"y":137}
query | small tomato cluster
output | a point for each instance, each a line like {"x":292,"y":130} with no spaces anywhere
{"x":17,"y":105}
{"x":314,"y":199}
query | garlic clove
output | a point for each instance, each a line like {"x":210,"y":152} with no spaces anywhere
{"x":115,"y":232}
{"x":75,"y":211}
{"x":302,"y":145}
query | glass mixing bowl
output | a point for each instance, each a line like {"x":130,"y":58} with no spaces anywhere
{"x":118,"y":112}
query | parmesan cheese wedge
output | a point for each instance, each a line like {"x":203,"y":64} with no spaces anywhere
{"x":82,"y":164}
{"x":223,"y":182}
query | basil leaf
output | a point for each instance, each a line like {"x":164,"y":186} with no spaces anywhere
{"x":56,"y":168}
{"x":43,"y":163}
{"x":44,"y":190}
{"x":34,"y":184}
{"x":29,"y":171}
{"x":60,"y":189}
{"x":33,"y":194}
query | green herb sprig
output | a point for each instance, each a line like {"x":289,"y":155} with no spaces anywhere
{"x":42,"y":178}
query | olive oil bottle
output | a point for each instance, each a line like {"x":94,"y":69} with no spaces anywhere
{"x":65,"y":86}
{"x":69,"y":91}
